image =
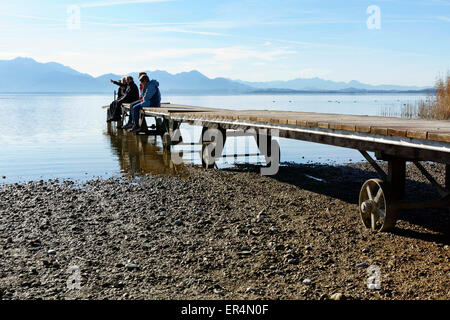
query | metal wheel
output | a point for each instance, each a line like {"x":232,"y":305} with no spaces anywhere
{"x":376,"y":206}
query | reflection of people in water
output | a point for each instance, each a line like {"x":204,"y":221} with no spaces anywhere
{"x":139,"y":155}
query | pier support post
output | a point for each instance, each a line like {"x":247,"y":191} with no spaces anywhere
{"x":120,"y":122}
{"x":397,"y":177}
{"x":268,"y":143}
{"x":142,"y":122}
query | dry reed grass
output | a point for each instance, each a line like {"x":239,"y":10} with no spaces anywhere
{"x":436,"y":106}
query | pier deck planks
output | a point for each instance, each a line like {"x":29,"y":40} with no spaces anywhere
{"x":388,"y":126}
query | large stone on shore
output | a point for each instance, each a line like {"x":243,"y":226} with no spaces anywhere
{"x":132,"y":266}
{"x":337,"y":296}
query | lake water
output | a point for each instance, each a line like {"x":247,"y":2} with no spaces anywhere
{"x":48,"y":136}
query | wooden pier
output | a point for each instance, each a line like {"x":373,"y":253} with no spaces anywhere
{"x":394,"y":140}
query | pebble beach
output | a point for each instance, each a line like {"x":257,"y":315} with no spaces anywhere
{"x":218,"y":234}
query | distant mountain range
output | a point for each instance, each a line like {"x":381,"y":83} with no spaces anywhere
{"x":314,"y":84}
{"x":27,"y":75}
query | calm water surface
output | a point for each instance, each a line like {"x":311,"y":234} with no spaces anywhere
{"x":49,"y":136}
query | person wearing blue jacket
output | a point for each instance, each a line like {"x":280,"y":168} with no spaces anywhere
{"x":151,"y":98}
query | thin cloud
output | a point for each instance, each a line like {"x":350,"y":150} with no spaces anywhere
{"x":117,"y":3}
{"x":437,"y":2}
{"x":222,"y":54}
{"x":341,"y":47}
{"x":30,"y":17}
{"x":180,"y":30}
{"x":441,"y":18}
{"x":159,"y":27}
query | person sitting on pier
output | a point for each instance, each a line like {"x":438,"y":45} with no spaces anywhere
{"x":141,"y":87}
{"x":130,"y":95}
{"x":151,"y":97}
{"x":122,"y":86}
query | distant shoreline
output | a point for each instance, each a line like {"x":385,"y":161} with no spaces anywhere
{"x":359,"y":92}
{"x":257,"y":92}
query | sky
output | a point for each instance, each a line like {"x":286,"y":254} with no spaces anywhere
{"x":404,"y":42}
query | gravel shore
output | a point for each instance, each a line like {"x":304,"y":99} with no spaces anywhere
{"x":218,"y":234}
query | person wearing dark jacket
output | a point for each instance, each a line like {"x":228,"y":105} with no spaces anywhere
{"x":122,"y":86}
{"x":131,"y":94}
{"x":113,"y":110}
